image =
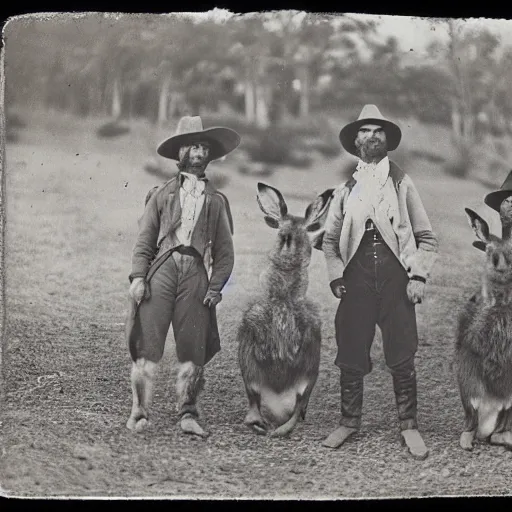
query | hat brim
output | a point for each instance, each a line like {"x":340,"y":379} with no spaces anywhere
{"x":349,"y":132}
{"x":494,"y":199}
{"x":221,"y":140}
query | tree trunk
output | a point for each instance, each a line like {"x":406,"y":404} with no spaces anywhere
{"x":163,"y":100}
{"x":262,"y":118}
{"x":456,"y":120}
{"x":173,"y":104}
{"x":249,"y":94}
{"x":116,"y":99}
{"x":304,"y":91}
{"x":468,"y":125}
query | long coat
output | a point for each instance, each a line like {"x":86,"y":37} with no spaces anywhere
{"x":212,"y":239}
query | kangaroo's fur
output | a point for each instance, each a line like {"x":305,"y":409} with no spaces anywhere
{"x":483,"y":348}
{"x":280,"y":332}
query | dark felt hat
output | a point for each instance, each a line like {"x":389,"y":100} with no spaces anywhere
{"x":370,"y":115}
{"x":494,"y":199}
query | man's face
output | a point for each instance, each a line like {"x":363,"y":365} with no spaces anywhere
{"x":371,"y":141}
{"x":506,"y":208}
{"x":198,"y":155}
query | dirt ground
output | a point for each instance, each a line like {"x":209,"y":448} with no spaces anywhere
{"x":72,"y":207}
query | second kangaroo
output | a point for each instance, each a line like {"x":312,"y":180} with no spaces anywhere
{"x":280,"y":333}
{"x":483,"y":349}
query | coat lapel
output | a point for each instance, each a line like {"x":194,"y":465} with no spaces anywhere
{"x":175,"y":207}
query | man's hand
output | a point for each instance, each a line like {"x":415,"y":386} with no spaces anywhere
{"x":338,"y":288}
{"x":416,"y":291}
{"x":212,"y":298}
{"x":138,"y":289}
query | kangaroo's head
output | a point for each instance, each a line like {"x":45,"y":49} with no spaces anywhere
{"x":498,"y":269}
{"x":293,"y":245}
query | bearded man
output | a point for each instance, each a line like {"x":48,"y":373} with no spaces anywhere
{"x":379,"y":249}
{"x":181,"y":262}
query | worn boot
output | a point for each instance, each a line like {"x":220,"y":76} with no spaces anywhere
{"x":189,"y":384}
{"x":404,"y":384}
{"x":352,"y":384}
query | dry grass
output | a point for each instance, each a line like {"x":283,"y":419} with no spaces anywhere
{"x":72,"y":207}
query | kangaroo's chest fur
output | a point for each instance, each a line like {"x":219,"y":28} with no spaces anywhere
{"x":487,"y":333}
{"x":287,"y":331}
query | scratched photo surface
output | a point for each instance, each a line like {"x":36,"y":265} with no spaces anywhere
{"x":88,"y":99}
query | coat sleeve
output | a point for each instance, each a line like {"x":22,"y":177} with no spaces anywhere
{"x":145,"y":246}
{"x":223,"y":253}
{"x":331,"y":240}
{"x":426,"y":240}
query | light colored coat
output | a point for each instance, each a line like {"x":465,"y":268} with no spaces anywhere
{"x":409,"y":236}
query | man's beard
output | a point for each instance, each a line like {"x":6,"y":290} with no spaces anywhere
{"x":371,"y":150}
{"x":196,"y":166}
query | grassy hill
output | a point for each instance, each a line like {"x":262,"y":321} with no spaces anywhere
{"x":72,"y":205}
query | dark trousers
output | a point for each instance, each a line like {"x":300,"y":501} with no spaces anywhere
{"x":376,"y":285}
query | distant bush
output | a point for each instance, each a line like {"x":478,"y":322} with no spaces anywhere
{"x":459,"y":164}
{"x":14,"y":121}
{"x":271,"y":146}
{"x":218,"y":180}
{"x":12,"y":136}
{"x":112,"y":129}
{"x":326,"y":148}
{"x":427,"y":155}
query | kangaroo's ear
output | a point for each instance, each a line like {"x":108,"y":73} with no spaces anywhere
{"x":271,"y":202}
{"x":479,"y":226}
{"x":271,"y":222}
{"x":316,"y":212}
{"x":479,"y":245}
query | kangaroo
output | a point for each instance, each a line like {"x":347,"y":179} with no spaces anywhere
{"x":280,"y":332}
{"x":483,"y":348}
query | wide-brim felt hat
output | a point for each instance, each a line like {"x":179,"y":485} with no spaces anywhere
{"x":190,"y":131}
{"x":370,"y":114}
{"x":494,"y":199}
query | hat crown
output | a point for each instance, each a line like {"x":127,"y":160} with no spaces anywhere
{"x":370,"y":112}
{"x":507,"y":184}
{"x":189,"y":124}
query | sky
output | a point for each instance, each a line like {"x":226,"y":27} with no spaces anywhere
{"x":417,"y":33}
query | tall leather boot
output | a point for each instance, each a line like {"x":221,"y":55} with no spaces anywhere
{"x":352,"y":385}
{"x":404,"y":384}
{"x":189,"y":384}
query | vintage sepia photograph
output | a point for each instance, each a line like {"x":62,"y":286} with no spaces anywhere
{"x":256,"y":256}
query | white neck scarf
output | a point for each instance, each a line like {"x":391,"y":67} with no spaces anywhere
{"x":192,"y":199}
{"x":372,"y":196}
{"x":192,"y":185}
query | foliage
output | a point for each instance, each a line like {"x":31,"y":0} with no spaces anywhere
{"x":112,"y":129}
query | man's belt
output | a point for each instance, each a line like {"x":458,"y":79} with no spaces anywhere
{"x":187,"y":250}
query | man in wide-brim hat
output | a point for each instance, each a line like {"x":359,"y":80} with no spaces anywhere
{"x":182,"y":259}
{"x":380,"y":249}
{"x":500,"y":201}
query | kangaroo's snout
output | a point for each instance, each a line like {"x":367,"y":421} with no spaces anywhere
{"x":499,"y":261}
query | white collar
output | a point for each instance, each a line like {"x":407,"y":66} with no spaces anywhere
{"x":382,"y":166}
{"x":373,"y":172}
{"x":192,"y":184}
{"x":190,"y":176}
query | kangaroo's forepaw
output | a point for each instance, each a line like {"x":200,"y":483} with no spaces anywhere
{"x":466,"y":440}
